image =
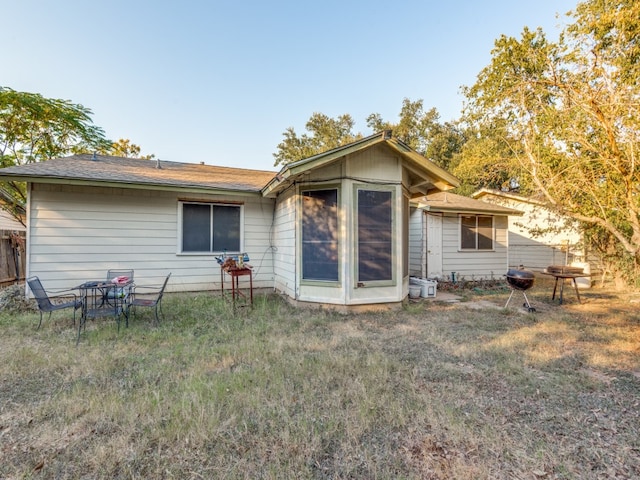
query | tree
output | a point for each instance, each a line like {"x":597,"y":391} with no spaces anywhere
{"x":423,"y":132}
{"x":34,"y":129}
{"x":419,"y":129}
{"x":325,"y":134}
{"x":568,"y":115}
{"x":124,"y":148}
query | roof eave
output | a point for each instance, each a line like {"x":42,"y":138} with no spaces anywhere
{"x":129,"y":185}
{"x":474,"y":211}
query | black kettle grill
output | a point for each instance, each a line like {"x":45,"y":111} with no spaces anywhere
{"x":522,"y":280}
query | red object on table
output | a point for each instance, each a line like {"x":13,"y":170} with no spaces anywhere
{"x":235,"y":273}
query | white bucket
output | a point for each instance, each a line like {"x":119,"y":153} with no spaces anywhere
{"x":414,"y":291}
{"x":583,"y":282}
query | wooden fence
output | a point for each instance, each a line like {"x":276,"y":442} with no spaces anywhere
{"x":12,"y":257}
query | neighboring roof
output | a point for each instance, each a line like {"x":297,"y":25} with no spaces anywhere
{"x":7,"y":199}
{"x":135,"y":172}
{"x":452,"y":203}
{"x":429,"y":176}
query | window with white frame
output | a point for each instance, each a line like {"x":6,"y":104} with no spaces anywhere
{"x":320,"y":235}
{"x":476,"y":232}
{"x":211,"y":227}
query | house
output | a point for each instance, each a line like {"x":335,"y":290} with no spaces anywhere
{"x":540,"y":237}
{"x":454,"y":237}
{"x":9,"y":222}
{"x":330,"y":229}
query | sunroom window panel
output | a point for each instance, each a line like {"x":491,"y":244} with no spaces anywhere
{"x":320,"y":235}
{"x":375,"y":229}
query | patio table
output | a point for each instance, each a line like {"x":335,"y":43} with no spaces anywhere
{"x":561,"y":277}
{"x":102,"y":298}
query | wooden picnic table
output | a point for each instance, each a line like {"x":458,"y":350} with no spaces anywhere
{"x":562,"y":277}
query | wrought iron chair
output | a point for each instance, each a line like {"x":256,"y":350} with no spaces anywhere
{"x":45,"y":303}
{"x":122,"y":292}
{"x":148,"y":296}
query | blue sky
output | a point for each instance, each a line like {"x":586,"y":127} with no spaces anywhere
{"x":220,"y":82}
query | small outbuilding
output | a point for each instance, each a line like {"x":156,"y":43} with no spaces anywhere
{"x":455,"y":237}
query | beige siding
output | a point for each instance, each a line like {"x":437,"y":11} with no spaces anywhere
{"x":472,"y":265}
{"x":284,"y":241}
{"x":416,"y":243}
{"x":538,"y":250}
{"x":8,"y":222}
{"x":379,"y":164}
{"x":78,"y":233}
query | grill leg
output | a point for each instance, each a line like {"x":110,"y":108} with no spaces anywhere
{"x":506,"y":304}
{"x":527,"y":304}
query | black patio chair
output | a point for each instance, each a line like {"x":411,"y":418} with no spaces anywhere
{"x":47,"y":303}
{"x":121,"y":292}
{"x":148,"y":296}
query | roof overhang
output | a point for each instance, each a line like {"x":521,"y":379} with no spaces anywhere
{"x":446,"y":202}
{"x":127,"y":185}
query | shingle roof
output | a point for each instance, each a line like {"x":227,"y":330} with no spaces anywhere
{"x":135,"y":171}
{"x":450,"y":202}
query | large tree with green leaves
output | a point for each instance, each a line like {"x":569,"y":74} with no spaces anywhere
{"x":421,"y":130}
{"x":34,"y":129}
{"x":123,"y":147}
{"x":564,"y":118}
{"x":325,"y":133}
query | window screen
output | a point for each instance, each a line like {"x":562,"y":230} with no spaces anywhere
{"x":375,"y":230}
{"x":320,"y":235}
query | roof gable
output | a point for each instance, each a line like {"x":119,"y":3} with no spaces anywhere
{"x":425,"y":175}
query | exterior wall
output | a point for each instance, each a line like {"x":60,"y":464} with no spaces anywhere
{"x":417,"y":244}
{"x":78,"y":233}
{"x":284,"y":242}
{"x":473,"y":264}
{"x":537,"y":252}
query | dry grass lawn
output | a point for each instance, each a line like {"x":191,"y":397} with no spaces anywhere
{"x":469,"y":390}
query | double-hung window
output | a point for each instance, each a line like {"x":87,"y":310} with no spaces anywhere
{"x":320,"y":235}
{"x":210,"y":227}
{"x":476,"y":232}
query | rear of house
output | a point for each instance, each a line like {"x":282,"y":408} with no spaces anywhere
{"x":331,"y":229}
